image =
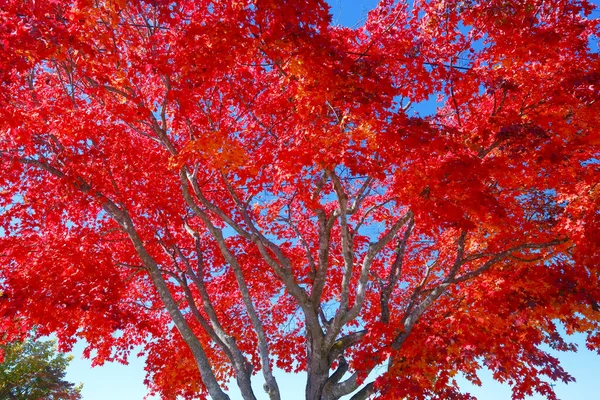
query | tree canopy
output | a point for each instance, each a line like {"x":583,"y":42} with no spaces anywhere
{"x":34,"y":370}
{"x":238,"y":186}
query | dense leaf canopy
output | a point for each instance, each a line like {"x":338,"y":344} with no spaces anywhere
{"x":33,"y":370}
{"x":236,"y":186}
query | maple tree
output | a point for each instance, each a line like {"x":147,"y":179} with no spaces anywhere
{"x":240,"y":186}
{"x":33,"y":370}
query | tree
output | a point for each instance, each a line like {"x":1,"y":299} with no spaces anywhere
{"x":242,"y":186}
{"x":33,"y":370}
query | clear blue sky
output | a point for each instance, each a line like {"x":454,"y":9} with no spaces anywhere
{"x":118,"y":382}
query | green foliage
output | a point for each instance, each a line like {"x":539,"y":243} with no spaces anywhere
{"x":34,"y":370}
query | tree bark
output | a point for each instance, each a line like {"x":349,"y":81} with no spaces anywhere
{"x":317,"y":368}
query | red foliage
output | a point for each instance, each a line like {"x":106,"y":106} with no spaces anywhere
{"x":239,"y":185}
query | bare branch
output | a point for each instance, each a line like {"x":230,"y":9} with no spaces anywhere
{"x":344,"y":343}
{"x":369,"y":211}
{"x":226,"y":342}
{"x":374,"y":250}
{"x":350,"y":385}
{"x":360,"y":196}
{"x":347,"y":246}
{"x":337,"y":375}
{"x":231,"y":259}
{"x":506,"y":254}
{"x":395,"y":273}
{"x":325,"y":226}
{"x":365,"y":392}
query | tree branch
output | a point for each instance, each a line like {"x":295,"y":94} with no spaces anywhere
{"x":395,"y":273}
{"x":217,"y":234}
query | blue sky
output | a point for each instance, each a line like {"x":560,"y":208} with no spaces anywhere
{"x":118,"y":382}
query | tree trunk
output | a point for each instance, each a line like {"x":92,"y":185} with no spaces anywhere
{"x":317,"y":368}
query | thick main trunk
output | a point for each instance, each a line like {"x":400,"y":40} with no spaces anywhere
{"x":317,"y":369}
